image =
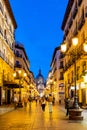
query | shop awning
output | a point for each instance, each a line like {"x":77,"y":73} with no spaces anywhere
{"x":11,"y":84}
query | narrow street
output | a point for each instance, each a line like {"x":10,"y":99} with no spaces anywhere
{"x":33,"y":118}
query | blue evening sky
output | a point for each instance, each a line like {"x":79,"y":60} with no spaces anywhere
{"x":39,"y":29}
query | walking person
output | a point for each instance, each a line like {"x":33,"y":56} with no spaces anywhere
{"x":25,"y":100}
{"x":50,"y":100}
{"x":30,"y":101}
{"x":43,"y":103}
{"x":15,"y":102}
{"x":67,"y":102}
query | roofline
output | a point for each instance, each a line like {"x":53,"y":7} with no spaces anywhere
{"x":55,"y":50}
{"x":67,"y":12}
{"x":7,"y":4}
{"x":18,"y":46}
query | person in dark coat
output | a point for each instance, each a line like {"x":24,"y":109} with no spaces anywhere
{"x":43,"y":103}
{"x":67,"y":101}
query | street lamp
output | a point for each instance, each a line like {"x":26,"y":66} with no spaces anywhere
{"x":74,"y":55}
{"x":51,"y":85}
{"x":18,"y":75}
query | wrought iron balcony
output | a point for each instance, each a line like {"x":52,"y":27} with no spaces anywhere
{"x":18,"y":65}
{"x":70,"y":23}
{"x":61,"y":56}
{"x":75,"y":11}
{"x":75,"y":32}
{"x":67,"y":31}
{"x":81,"y":22}
{"x":18,"y":55}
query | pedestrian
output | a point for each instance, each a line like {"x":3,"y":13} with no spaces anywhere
{"x":60,"y":100}
{"x":50,"y":100}
{"x":36,"y":100}
{"x":15,"y":102}
{"x":67,"y":102}
{"x":53,"y":100}
{"x":30,"y":101}
{"x":25,"y":100}
{"x":43,"y":103}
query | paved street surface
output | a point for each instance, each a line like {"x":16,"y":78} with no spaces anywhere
{"x":33,"y":118}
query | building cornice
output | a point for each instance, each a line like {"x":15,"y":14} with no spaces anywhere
{"x":7,"y":4}
{"x":55,"y":50}
{"x":18,"y":46}
{"x":67,"y":12}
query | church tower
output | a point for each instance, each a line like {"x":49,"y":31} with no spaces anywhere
{"x":40,"y":84}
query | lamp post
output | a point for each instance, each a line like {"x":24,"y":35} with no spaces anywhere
{"x":73,"y":55}
{"x":18,"y":75}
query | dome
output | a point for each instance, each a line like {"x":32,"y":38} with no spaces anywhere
{"x":39,"y":75}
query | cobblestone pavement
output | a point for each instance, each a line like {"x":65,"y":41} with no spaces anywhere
{"x":33,"y":118}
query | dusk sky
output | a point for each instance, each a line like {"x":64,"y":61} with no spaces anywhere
{"x":39,"y":29}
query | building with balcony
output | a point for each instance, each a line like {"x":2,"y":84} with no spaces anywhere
{"x":22,"y":63}
{"x":7,"y":29}
{"x":57,"y":67}
{"x":75,"y":24}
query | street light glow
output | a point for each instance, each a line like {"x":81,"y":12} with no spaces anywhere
{"x":85,"y":47}
{"x":74,"y":41}
{"x":85,"y":78}
{"x":63,"y":47}
{"x":19,"y":71}
{"x":25,"y":74}
{"x":14,"y":74}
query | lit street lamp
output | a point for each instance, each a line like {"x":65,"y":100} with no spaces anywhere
{"x":18,"y":75}
{"x":73,"y":54}
{"x":51,"y":86}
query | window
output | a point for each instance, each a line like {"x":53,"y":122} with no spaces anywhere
{"x":17,"y":62}
{"x":83,"y":66}
{"x":61,"y":76}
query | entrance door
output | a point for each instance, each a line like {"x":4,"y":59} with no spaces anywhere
{"x":83,"y":97}
{"x":8,"y":96}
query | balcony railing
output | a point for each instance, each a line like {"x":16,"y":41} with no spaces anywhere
{"x":75,"y":32}
{"x":75,"y":11}
{"x":70,"y":23}
{"x":81,"y":22}
{"x":61,"y":56}
{"x":18,"y":65}
{"x":67,"y":31}
{"x":18,"y":55}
